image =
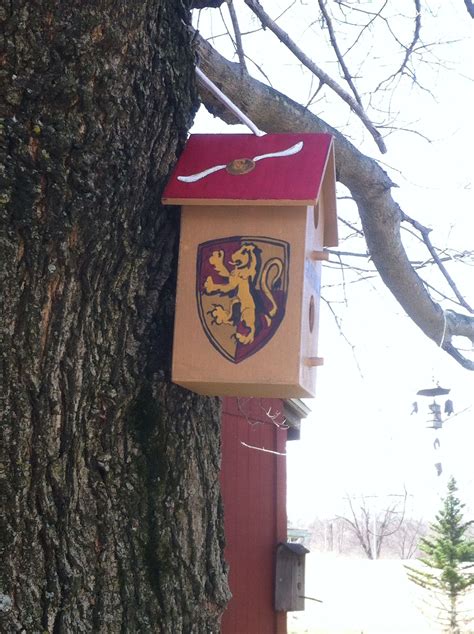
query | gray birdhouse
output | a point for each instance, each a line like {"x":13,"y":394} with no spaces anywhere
{"x":290,"y":577}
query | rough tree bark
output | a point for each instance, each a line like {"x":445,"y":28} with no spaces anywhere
{"x":368,"y":183}
{"x":112,"y":508}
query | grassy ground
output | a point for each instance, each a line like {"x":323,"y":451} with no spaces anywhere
{"x":361,"y":597}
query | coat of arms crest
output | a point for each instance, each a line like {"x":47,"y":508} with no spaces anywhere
{"x":241,"y":289}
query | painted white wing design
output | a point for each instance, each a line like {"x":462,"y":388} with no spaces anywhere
{"x":294,"y":149}
{"x":195,"y":177}
{"x":192,"y":178}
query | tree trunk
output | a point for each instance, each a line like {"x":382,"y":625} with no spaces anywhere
{"x":113,"y":519}
{"x":453,"y":614}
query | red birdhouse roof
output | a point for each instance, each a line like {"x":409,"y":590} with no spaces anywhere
{"x":293,"y":174}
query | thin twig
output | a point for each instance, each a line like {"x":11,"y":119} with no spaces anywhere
{"x":409,"y":49}
{"x":439,"y":293}
{"x":335,"y":45}
{"x":348,"y":224}
{"x":365,"y":26}
{"x":240,"y":403}
{"x":275,"y":453}
{"x":228,"y":33}
{"x":238,"y":36}
{"x":314,"y":95}
{"x":398,"y":129}
{"x":322,"y":75}
{"x":303,"y":596}
{"x":425,"y":231}
{"x":341,"y":332}
{"x":272,"y":417}
{"x":260,"y":70}
{"x":285,"y":10}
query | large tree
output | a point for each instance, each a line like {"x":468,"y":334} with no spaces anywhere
{"x":112,"y":519}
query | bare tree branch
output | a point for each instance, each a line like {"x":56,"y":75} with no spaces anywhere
{"x":425,"y":231}
{"x":362,"y":534}
{"x":238,"y":36}
{"x":322,"y":75}
{"x":340,"y":57}
{"x":348,"y":224}
{"x":264,"y":406}
{"x":372,"y":529}
{"x":470,"y":7}
{"x":369,"y":185}
{"x":262,"y":449}
{"x":341,"y":332}
{"x":367,"y":25}
{"x":408,"y":49}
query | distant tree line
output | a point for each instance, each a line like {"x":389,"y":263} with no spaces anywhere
{"x":383,"y":533}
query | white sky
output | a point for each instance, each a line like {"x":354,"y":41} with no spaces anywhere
{"x":360,"y":438}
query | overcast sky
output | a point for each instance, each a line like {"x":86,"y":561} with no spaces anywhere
{"x":360,"y":438}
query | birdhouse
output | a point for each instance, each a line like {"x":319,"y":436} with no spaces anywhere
{"x":290,"y":577}
{"x":257,"y":213}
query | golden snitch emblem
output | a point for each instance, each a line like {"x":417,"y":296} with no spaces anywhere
{"x":240,"y":166}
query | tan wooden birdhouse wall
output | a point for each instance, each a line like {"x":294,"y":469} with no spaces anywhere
{"x":257,"y":213}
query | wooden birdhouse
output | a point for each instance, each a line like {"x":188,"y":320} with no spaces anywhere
{"x":290,"y":577}
{"x":257,"y":213}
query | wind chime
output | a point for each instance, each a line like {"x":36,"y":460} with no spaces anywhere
{"x":435,"y":416}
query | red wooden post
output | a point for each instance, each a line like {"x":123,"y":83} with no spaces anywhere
{"x":254,"y":495}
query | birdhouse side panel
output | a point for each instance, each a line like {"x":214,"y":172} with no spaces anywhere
{"x":315,"y":227}
{"x":328,"y":199}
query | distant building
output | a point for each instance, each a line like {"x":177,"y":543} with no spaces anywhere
{"x":298,"y":535}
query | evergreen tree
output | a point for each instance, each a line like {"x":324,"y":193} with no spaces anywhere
{"x":449,"y":555}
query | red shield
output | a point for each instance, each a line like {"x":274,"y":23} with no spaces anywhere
{"x":241,"y":291}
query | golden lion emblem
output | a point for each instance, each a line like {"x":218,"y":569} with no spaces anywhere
{"x":240,"y":286}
